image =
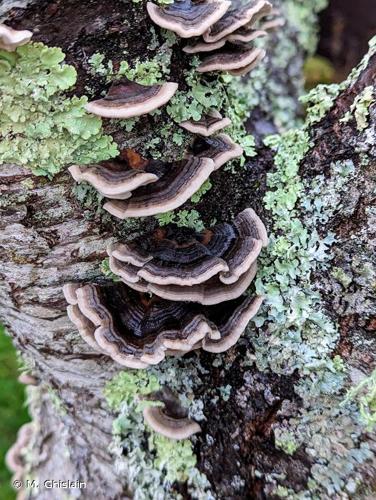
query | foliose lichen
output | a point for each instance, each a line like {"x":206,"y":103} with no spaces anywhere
{"x":40,"y":127}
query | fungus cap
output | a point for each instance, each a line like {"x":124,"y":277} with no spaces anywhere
{"x":188,"y":18}
{"x":220,"y":148}
{"x":178,"y":182}
{"x":237,"y":16}
{"x":227,"y":61}
{"x":207,"y":125}
{"x":127,"y":99}
{"x":10,"y":39}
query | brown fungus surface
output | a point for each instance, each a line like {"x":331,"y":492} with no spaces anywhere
{"x":176,"y":183}
{"x":188,"y":18}
{"x":127,"y":99}
{"x":213,"y":266}
{"x":220,"y":148}
{"x":207,"y":125}
{"x":237,"y":16}
{"x":138,"y":330}
{"x":233,"y":58}
{"x":171,"y":419}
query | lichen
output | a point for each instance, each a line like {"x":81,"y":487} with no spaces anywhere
{"x":182,"y":218}
{"x":296,"y":332}
{"x":152,"y":463}
{"x":360,"y":108}
{"x":40,"y":127}
{"x":364,"y":396}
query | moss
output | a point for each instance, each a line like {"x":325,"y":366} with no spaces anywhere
{"x":40,"y":128}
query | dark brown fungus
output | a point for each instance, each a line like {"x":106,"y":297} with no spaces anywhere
{"x":127,"y":99}
{"x":239,"y":15}
{"x":113,"y":179}
{"x":232,"y":59}
{"x":208,"y":124}
{"x":188,"y":18}
{"x":137,"y":330}
{"x":10,"y":39}
{"x":170,"y":420}
{"x":176,"y":183}
{"x":209,"y":267}
{"x":140,"y":187}
{"x":220,"y":148}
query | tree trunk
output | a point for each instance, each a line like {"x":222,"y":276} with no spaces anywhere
{"x":269,"y":408}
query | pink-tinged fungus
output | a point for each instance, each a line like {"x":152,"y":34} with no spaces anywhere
{"x":10,"y":39}
{"x":220,"y":148}
{"x":238,"y":15}
{"x":127,"y":99}
{"x":188,"y":18}
{"x":210,"y":267}
{"x":14,"y":457}
{"x":207,"y":125}
{"x":138,"y":330}
{"x":170,"y":420}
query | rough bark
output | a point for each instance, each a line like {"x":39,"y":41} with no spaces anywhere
{"x":47,"y":239}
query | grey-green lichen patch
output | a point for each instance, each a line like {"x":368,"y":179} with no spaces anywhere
{"x":302,"y":15}
{"x":360,"y":108}
{"x":152,"y":463}
{"x":363,"y":395}
{"x":40,"y":127}
{"x":296,"y":332}
{"x":322,"y":97}
{"x":182,"y":218}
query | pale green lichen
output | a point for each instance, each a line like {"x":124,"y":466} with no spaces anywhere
{"x":40,"y":128}
{"x":319,"y":101}
{"x":360,"y":108}
{"x":308,"y":337}
{"x":182,"y":218}
{"x":152,"y":463}
{"x":364,"y":396}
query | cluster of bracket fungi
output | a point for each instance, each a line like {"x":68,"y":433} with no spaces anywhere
{"x":178,"y":290}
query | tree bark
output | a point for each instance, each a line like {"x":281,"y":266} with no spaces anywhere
{"x":48,"y":238}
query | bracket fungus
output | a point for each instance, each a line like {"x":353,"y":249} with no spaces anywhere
{"x":207,"y":125}
{"x":220,"y":148}
{"x":113,"y":179}
{"x":127,"y":99}
{"x":139,"y":187}
{"x":235,"y":59}
{"x":188,"y":18}
{"x":242,"y":35}
{"x":10,"y":39}
{"x":236,"y":17}
{"x":177,"y":182}
{"x":14,"y":458}
{"x":137,"y":330}
{"x":214,"y":266}
{"x":171,"y":419}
